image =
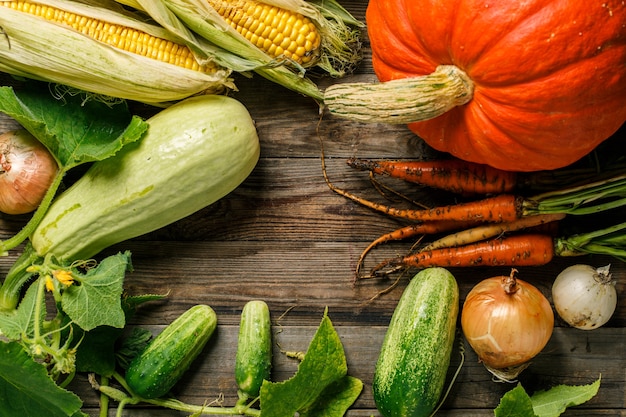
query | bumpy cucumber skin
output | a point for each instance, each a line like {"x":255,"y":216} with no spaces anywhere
{"x":194,"y":153}
{"x":415,"y":354}
{"x":154,"y":372}
{"x":253,"y":361}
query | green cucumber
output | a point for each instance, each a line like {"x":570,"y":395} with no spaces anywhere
{"x":254,"y":348}
{"x":415,"y":355}
{"x":194,"y":153}
{"x":154,"y":372}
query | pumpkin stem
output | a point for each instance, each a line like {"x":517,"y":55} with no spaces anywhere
{"x":401,"y":101}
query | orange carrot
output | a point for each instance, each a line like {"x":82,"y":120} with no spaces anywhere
{"x":425,"y":228}
{"x":516,"y":250}
{"x":501,"y":208}
{"x":452,"y":175}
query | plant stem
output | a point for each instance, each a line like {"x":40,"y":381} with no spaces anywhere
{"x":104,"y":399}
{"x":38,"y":306}
{"x":38,"y":215}
{"x":403,"y":100}
{"x":174,"y":404}
{"x":203,"y":410}
{"x":584,"y":199}
{"x":607,"y":241}
{"x":16,"y":277}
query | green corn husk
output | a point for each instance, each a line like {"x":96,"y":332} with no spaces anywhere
{"x":191,"y":19}
{"x":55,"y":53}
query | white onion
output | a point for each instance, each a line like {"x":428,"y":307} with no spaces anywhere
{"x":584,"y":296}
{"x":26,"y":171}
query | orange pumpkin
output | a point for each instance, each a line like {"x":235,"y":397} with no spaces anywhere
{"x":545,"y":80}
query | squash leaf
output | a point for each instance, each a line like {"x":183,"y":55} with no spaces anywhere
{"x":549,"y":403}
{"x":19,"y":374}
{"x":95,"y":299}
{"x":320,"y":387}
{"x":96,"y":352}
{"x":74,"y":128}
{"x":102,"y":348}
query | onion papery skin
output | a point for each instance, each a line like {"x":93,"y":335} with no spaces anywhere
{"x":27,"y":169}
{"x":506,"y":330}
{"x":585,"y":297}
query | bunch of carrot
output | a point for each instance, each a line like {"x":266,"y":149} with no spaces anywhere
{"x":502,"y":227}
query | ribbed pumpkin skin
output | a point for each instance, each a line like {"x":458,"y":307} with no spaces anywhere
{"x":550,"y":75}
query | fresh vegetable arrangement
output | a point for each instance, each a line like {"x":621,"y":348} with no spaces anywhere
{"x":519,"y":87}
{"x":101,"y":47}
{"x":64,"y":309}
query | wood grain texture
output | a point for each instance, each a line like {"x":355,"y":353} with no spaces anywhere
{"x":283,"y":236}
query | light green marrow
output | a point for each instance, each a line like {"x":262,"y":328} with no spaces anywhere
{"x":155,"y":371}
{"x":254,"y":348}
{"x":194,"y":153}
{"x":415,"y":354}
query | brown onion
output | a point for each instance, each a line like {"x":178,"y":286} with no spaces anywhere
{"x":26,"y":171}
{"x":507,"y":322}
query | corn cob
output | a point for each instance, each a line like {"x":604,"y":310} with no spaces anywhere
{"x":102,"y":51}
{"x":279,"y":32}
{"x":122,"y":37}
{"x":278,"y":39}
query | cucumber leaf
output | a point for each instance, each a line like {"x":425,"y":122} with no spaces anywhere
{"x":553,"y":402}
{"x":26,"y":390}
{"x":320,"y":387}
{"x":74,"y":128}
{"x":515,"y":403}
{"x":548,"y":403}
{"x":95,"y":298}
{"x":336,"y":398}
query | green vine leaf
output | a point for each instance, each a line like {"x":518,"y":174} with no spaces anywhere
{"x":19,"y":374}
{"x":320,"y":382}
{"x":95,"y":300}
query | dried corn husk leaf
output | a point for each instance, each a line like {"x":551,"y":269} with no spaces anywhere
{"x":59,"y":54}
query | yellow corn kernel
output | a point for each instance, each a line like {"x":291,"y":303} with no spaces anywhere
{"x":279,"y":32}
{"x":121,"y":37}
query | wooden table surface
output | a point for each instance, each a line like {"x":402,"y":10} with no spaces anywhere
{"x":284,"y":237}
